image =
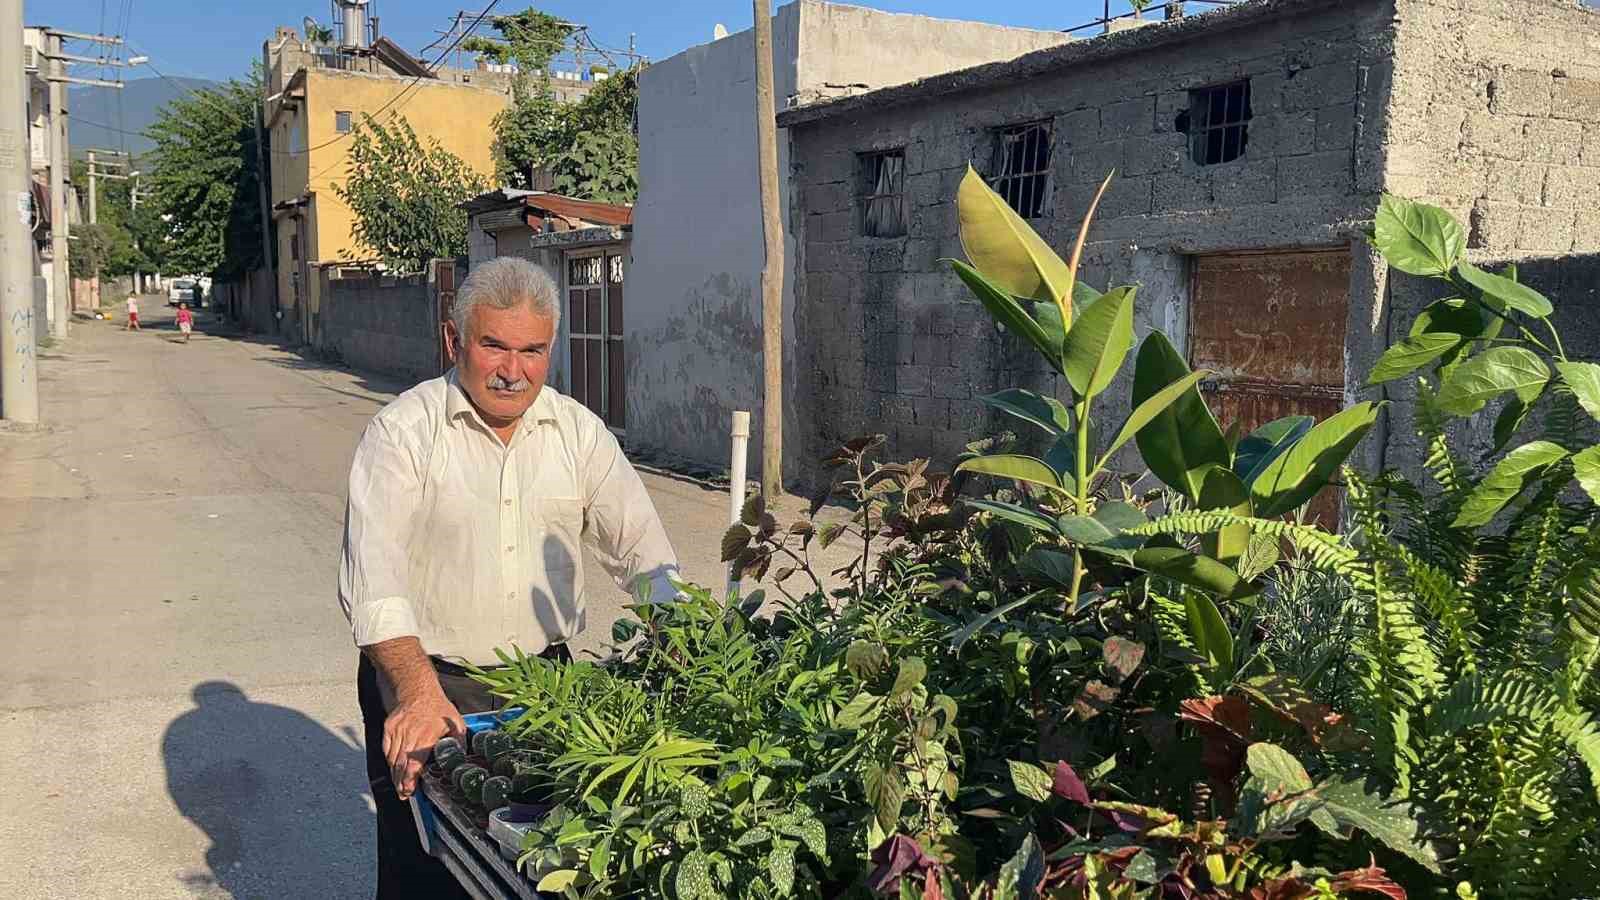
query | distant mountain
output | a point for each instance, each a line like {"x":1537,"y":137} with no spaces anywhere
{"x":94,"y":112}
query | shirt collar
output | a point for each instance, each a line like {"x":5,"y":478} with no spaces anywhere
{"x":457,"y":404}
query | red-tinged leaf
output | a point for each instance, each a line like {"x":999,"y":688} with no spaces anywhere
{"x":1371,"y":880}
{"x":1223,"y":724}
{"x":1122,"y":656}
{"x":1096,"y":698}
{"x":897,"y":856}
{"x":1068,"y":786}
{"x":931,"y":887}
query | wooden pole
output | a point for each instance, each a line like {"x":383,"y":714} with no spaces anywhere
{"x":772,"y":270}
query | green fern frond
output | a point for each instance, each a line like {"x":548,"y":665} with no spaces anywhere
{"x":1171,"y":619}
{"x":1440,"y":461}
{"x":1582,"y":735}
{"x":1475,"y":701}
{"x":1319,"y":548}
{"x":1444,"y":600}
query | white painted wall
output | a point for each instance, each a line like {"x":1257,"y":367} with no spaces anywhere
{"x":694,"y":305}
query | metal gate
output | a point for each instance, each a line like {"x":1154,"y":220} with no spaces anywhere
{"x":1272,"y":328}
{"x":594,"y":327}
{"x":444,"y":286}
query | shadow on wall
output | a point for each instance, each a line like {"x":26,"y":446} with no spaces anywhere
{"x":281,"y":798}
{"x":687,"y":375}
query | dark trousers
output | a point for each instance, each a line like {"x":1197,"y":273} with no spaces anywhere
{"x":405,"y":870}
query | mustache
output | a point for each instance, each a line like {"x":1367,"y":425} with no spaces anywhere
{"x":496,"y":383}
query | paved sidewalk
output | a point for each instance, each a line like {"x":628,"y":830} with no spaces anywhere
{"x":176,"y":679}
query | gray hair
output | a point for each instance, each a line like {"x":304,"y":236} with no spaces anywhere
{"x":505,"y":282}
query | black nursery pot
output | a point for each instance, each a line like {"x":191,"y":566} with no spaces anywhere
{"x":524,"y":813}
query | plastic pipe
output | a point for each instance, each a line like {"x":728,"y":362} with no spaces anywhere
{"x":741,"y":449}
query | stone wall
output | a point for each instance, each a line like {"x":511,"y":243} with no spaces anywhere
{"x":382,"y":324}
{"x":891,"y":341}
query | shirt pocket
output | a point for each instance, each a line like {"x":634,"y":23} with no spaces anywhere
{"x":561,"y":524}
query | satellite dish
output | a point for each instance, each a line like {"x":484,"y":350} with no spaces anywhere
{"x":719,"y":31}
{"x":310,"y":27}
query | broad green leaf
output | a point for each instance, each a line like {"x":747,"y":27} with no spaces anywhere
{"x":1050,"y":564}
{"x":557,"y":881}
{"x":1020,"y":876}
{"x":1005,"y":248}
{"x":1017,"y":468}
{"x":1267,"y":443}
{"x":1030,"y":780}
{"x":599,"y":858}
{"x":1584,"y":380}
{"x":1008,"y":312}
{"x":1194,"y":570}
{"x":865,"y":659}
{"x":1104,"y":531}
{"x":910,"y":673}
{"x":1012,"y":512}
{"x":1183,"y":436}
{"x":1455,"y":315}
{"x":1031,"y":406}
{"x":1277,"y":768}
{"x":1586,"y":466}
{"x":961,"y":635}
{"x":1519,"y":297}
{"x":862,"y":709}
{"x":1099,"y":341}
{"x":1411,"y":354}
{"x":1292,"y":479}
{"x":1261,"y":554}
{"x":1209,"y":631}
{"x":1347,"y":800}
{"x":1048,"y":315}
{"x":1221,"y":489}
{"x":1416,"y":238}
{"x":1145,"y":412}
{"x":1062,"y":457}
{"x":1490,"y":374}
{"x":1119,"y":516}
{"x":1506,"y":480}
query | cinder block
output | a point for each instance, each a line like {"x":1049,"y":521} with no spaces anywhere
{"x":1487,"y":134}
{"x":1547,"y":230}
{"x":942,"y":320}
{"x":886,"y":255}
{"x":1336,"y":126}
{"x":921,"y":255}
{"x":1253,"y":184}
{"x":925,"y":189}
{"x":1160,"y":153}
{"x":1094,"y":163}
{"x":1520,"y":92}
{"x":931,"y":412}
{"x":1515,"y":182}
{"x":1576,"y":99}
{"x":1586,"y":231}
{"x":1128,"y":118}
{"x":905,"y":349}
{"x":930,"y":349}
{"x":1125,"y":197}
{"x":1571,"y":187}
{"x":1554,"y":141}
{"x":912,"y":380}
{"x":1316,"y":173}
{"x":1181,"y":191}
{"x":827,"y":197}
{"x":1171,"y":104}
{"x":1078,"y":128}
{"x":1282,"y":134}
{"x":951,"y":382}
{"x":1320,"y":86}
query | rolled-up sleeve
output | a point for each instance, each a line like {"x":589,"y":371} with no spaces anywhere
{"x":625,"y":533}
{"x":384,"y":486}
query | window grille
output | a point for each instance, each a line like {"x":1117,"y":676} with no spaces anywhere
{"x":1218,"y":123}
{"x":883,"y":194}
{"x":341,"y":121}
{"x":585,"y":270}
{"x":1022,"y":167}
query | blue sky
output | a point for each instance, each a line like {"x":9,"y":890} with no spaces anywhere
{"x":218,"y":38}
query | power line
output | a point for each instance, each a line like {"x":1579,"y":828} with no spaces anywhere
{"x":403,"y":91}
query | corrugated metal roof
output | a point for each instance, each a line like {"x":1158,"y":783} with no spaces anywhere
{"x":579,"y":210}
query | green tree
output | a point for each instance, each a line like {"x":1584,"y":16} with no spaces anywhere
{"x":203,"y":176}
{"x":529,"y":38}
{"x":405,"y":195}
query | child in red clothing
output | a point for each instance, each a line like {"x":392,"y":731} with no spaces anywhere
{"x":185,"y":321}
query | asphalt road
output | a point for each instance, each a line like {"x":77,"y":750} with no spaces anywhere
{"x":176,"y":679}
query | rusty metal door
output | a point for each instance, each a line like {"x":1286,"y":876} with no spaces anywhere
{"x":1272,"y":328}
{"x":444,"y":285}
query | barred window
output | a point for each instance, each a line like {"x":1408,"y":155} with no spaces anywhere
{"x":583,"y":270}
{"x":1218,"y":123}
{"x":1022,"y":167}
{"x":883,"y":193}
{"x":341,"y":121}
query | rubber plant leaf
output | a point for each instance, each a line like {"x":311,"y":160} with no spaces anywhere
{"x":1296,"y":476}
{"x":1267,"y":443}
{"x":1099,"y":341}
{"x":1221,"y":489}
{"x":1030,"y":406}
{"x":1005,"y":248}
{"x":1145,"y":412}
{"x":1195,"y":571}
{"x":1018,"y":468}
{"x":1182,"y":437}
{"x":1008,"y":312}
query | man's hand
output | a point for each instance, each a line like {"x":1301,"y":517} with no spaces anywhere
{"x":411,"y":730}
{"x":422,"y":714}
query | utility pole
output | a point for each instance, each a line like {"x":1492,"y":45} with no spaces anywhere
{"x":19,"y":384}
{"x":61,"y":273}
{"x":94,"y":203}
{"x":262,"y":173}
{"x":772,"y":270}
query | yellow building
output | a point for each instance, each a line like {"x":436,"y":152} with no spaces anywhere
{"x":315,"y":96}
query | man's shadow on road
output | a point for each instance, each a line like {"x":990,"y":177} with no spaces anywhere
{"x":278,"y":794}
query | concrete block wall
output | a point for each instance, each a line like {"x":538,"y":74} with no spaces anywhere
{"x":889,"y":340}
{"x":385,"y":325}
{"x":1496,"y":117}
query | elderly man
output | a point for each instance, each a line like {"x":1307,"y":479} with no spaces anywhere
{"x":469,"y":497}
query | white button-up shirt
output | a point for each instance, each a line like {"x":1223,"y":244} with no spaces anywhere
{"x":471,"y":544}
